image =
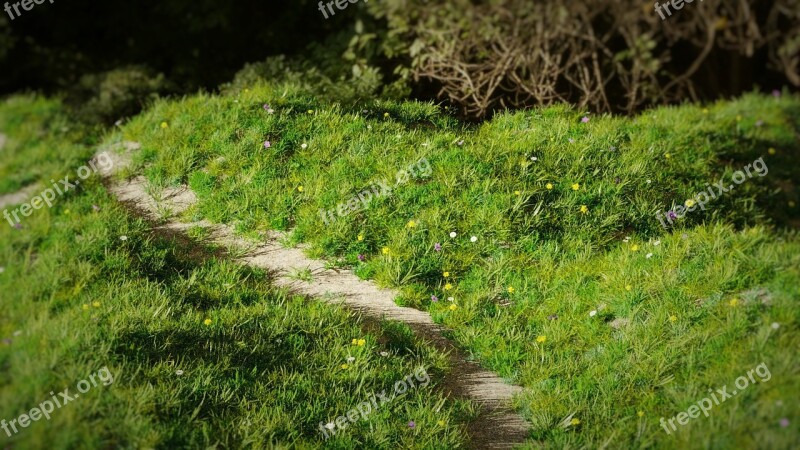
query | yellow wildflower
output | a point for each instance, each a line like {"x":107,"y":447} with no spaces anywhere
{"x":541,"y":339}
{"x":549,"y":186}
{"x":207,"y":322}
{"x":576,"y":186}
{"x":584,"y":209}
{"x":448,"y":286}
{"x":453,"y":307}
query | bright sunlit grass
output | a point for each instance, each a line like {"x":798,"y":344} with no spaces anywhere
{"x":610,"y":315}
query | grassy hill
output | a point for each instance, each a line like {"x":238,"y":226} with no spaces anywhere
{"x":197,"y":351}
{"x":542,"y":228}
{"x":534,"y":237}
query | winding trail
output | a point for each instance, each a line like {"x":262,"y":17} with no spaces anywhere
{"x":18,"y":197}
{"x":497,"y":427}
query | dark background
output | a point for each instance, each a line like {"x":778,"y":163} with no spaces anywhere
{"x":200,"y":44}
{"x":196,"y":43}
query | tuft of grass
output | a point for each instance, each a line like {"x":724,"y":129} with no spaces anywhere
{"x":301,"y":274}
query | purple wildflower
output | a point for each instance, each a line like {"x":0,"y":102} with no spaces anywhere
{"x":267,"y":144}
{"x":412,"y":424}
{"x":672,"y":215}
{"x":784,"y":422}
{"x":776,"y":93}
{"x":585,"y":119}
{"x":437,"y":246}
{"x":18,"y":226}
{"x":434,"y":298}
{"x":361,"y":257}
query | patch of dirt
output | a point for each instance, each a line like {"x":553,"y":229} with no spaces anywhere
{"x":497,"y":427}
{"x":618,"y":323}
{"x":21,"y":196}
{"x":757,"y":295}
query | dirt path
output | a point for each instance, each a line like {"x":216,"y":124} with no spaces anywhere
{"x":498,"y":426}
{"x":18,"y":197}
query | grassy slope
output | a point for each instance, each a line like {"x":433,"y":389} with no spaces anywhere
{"x":264,"y":373}
{"x":683,"y":334}
{"x":34,"y":126}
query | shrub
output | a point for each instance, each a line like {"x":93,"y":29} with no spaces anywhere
{"x":611,"y":55}
{"x":338,"y":71}
{"x":109,"y":96}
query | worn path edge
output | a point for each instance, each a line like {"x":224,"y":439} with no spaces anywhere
{"x":498,"y":426}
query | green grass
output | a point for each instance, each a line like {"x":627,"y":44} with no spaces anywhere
{"x":33,"y":125}
{"x":85,"y":286}
{"x":681,"y":334}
